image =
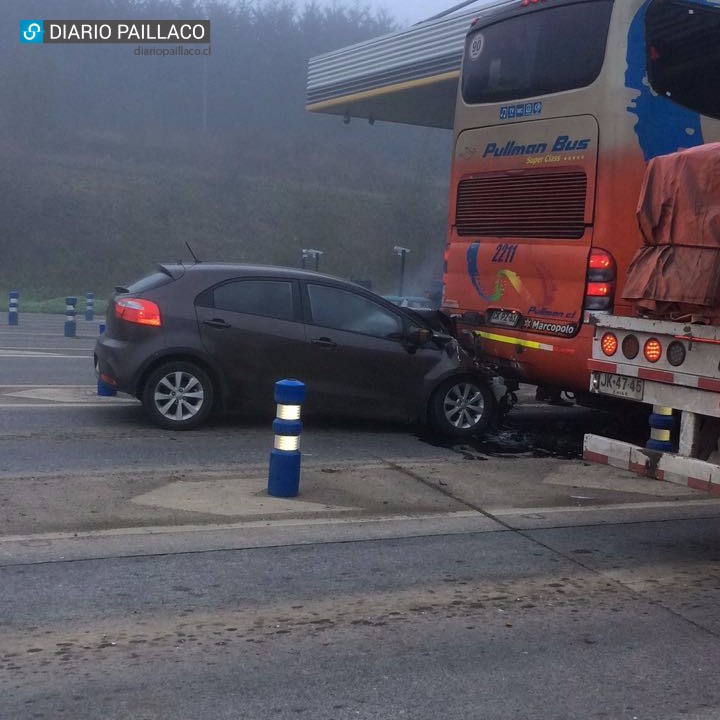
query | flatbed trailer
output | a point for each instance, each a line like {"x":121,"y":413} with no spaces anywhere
{"x":675,"y":368}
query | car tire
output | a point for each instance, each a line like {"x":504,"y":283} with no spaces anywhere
{"x":462,"y":407}
{"x":178,"y":396}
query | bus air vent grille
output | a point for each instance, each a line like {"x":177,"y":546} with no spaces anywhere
{"x":532,"y":204}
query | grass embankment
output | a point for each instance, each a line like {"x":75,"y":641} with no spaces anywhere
{"x":88,"y":219}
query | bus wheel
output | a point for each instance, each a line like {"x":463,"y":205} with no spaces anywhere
{"x":462,"y":407}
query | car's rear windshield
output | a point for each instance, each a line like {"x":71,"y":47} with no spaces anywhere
{"x":154,"y":280}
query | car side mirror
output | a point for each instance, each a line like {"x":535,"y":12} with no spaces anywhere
{"x":419,"y":336}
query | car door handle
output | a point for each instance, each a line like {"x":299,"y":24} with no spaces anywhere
{"x":217,"y":323}
{"x":324,"y":342}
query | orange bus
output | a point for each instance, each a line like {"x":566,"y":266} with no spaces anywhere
{"x":560,"y":105}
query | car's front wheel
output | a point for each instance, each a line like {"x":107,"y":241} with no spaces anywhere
{"x":178,"y":396}
{"x":462,"y":407}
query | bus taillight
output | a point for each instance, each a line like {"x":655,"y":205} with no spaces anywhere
{"x":445,"y":266}
{"x":600,"y":280}
{"x":598,"y":289}
{"x":600,"y":260}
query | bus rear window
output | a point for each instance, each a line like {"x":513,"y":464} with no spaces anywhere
{"x":683,"y":54}
{"x":536,"y":53}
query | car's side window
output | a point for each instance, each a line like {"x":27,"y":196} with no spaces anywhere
{"x":269,"y":298}
{"x":345,"y":310}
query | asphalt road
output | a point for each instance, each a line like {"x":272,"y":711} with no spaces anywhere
{"x":495,"y":580}
{"x":51,"y":420}
{"x":595,"y":622}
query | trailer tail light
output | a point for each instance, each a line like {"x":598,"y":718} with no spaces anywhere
{"x":601,"y":277}
{"x":139,"y":311}
{"x":630,"y":347}
{"x":609,"y":344}
{"x":676,"y":353}
{"x":652,"y":350}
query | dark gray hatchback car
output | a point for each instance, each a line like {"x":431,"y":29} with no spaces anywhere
{"x":190,"y":340}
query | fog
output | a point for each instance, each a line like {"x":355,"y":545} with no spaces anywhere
{"x":113,"y":160}
{"x":409,"y":13}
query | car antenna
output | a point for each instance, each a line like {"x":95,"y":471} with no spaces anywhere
{"x":194,"y":256}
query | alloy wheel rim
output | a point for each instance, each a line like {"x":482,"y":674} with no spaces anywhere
{"x":463,"y":406}
{"x":179,"y":396}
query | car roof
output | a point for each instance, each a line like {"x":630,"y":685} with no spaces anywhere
{"x":251,"y":269}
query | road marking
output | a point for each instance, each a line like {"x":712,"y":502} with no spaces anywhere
{"x":47,"y":538}
{"x":39,"y":354}
{"x":99,"y":403}
{"x":229,"y":496}
{"x":35,"y":348}
{"x":30,"y":333}
{"x":58,"y":396}
{"x":6,"y":386}
{"x":536,"y":513}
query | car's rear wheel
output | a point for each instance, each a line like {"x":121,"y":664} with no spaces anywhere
{"x":178,"y":396}
{"x":462,"y":407}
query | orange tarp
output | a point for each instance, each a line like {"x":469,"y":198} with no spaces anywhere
{"x":676,"y":274}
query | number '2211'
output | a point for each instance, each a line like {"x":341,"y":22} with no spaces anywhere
{"x":504,"y":253}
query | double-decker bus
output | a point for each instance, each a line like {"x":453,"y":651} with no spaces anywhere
{"x":560,"y":105}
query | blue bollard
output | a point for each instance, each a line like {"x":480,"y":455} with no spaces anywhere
{"x":662,"y":423}
{"x":89,"y":306}
{"x":70,"y":324}
{"x":284,"y":475}
{"x":14,"y":307}
{"x":105,"y":390}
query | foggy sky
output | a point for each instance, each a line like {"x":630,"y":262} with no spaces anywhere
{"x":409,"y":12}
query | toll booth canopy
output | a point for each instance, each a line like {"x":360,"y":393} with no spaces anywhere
{"x":409,"y":76}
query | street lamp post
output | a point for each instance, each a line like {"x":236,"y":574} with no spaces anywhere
{"x":309,"y":252}
{"x":402,"y":252}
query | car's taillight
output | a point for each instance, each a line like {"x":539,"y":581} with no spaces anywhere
{"x":600,"y":280}
{"x":137,"y":310}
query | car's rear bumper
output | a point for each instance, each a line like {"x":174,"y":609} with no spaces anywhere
{"x":113,"y":364}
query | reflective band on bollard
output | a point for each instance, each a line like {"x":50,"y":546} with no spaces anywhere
{"x":661,"y":423}
{"x":14,"y":307}
{"x":284,"y":475}
{"x":89,"y":306}
{"x":70,"y":325}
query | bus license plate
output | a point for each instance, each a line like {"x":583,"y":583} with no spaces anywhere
{"x":508,"y":318}
{"x":620,"y":386}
